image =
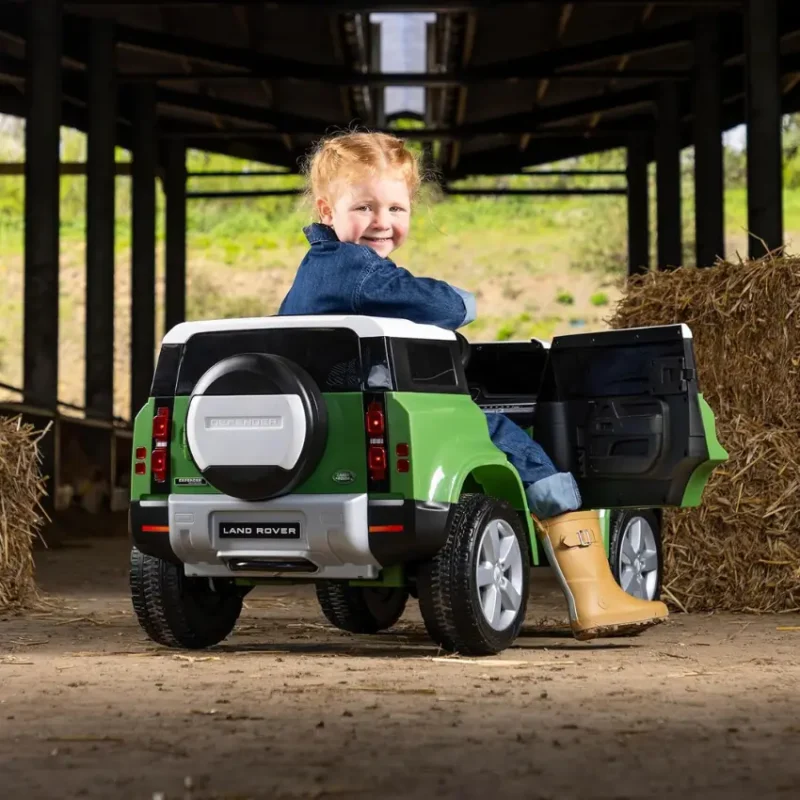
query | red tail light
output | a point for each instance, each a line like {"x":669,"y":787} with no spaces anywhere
{"x":377,"y":462}
{"x":159,"y":458}
{"x":401,"y":451}
{"x":377,"y":455}
{"x":376,"y":424}
{"x":161,"y":424}
{"x":158,"y":464}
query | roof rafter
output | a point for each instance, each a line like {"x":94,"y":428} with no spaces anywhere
{"x":439,"y":6}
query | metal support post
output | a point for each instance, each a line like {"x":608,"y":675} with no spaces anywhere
{"x":638,"y":208}
{"x":143,"y":246}
{"x":764,"y":172}
{"x":175,"y":188}
{"x":42,"y":141}
{"x":100,"y":184}
{"x":668,"y":176}
{"x":709,"y":174}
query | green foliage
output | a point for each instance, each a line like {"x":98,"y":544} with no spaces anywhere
{"x":506,"y":332}
{"x":524,"y":327}
{"x":564,"y":297}
{"x":599,"y":299}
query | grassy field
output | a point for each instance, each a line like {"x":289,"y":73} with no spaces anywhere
{"x":539,"y":266}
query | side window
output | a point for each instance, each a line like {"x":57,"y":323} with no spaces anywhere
{"x":428,"y":366}
{"x":431,"y":364}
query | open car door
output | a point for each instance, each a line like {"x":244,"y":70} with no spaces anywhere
{"x":622,"y":411}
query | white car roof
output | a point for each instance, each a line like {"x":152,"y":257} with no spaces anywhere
{"x":361,"y":326}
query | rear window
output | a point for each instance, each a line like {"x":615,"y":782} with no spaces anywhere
{"x":330,"y":355}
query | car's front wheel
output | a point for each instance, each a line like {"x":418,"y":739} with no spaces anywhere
{"x":473,"y":594}
{"x":634,"y":551}
{"x":361,"y":609}
{"x":178,"y":611}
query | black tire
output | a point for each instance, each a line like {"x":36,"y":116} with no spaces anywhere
{"x":361,"y":609}
{"x":177,"y":611}
{"x":449,"y":597}
{"x":620,"y":521}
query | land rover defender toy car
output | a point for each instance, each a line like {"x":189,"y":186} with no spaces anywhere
{"x":353,"y":452}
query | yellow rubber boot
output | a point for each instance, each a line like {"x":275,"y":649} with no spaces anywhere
{"x":598,"y":607}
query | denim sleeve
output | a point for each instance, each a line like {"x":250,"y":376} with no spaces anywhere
{"x":387,"y":290}
{"x":469,"y":303}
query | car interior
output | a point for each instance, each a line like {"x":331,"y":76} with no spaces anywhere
{"x":504,"y":377}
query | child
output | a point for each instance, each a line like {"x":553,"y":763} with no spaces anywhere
{"x":363,"y":185}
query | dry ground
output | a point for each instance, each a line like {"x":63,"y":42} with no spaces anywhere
{"x":706,"y":706}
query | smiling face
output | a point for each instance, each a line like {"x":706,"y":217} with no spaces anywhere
{"x":375,"y":211}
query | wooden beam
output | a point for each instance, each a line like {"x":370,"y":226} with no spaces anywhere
{"x":65,"y":168}
{"x":555,"y":192}
{"x":438,"y":6}
{"x":248,"y":60}
{"x":544,"y":83}
{"x":466,"y":55}
{"x":255,"y":115}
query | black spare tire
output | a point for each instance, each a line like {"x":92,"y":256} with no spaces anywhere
{"x":257,"y":426}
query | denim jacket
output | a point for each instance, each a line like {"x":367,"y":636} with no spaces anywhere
{"x":340,"y":278}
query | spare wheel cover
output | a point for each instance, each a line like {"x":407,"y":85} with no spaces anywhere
{"x":257,"y":426}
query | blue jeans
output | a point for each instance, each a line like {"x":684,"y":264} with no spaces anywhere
{"x":549,"y":491}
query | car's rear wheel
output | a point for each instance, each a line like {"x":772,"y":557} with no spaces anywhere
{"x":177,"y":611}
{"x":634,"y":551}
{"x":473,"y":594}
{"x":361,"y":609}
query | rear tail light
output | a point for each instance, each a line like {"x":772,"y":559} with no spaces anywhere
{"x":159,"y":458}
{"x":158,"y":464}
{"x":377,"y":462}
{"x":376,"y":424}
{"x":377,"y":458}
{"x":161,"y":424}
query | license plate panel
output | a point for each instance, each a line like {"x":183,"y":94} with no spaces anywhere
{"x":271,"y":531}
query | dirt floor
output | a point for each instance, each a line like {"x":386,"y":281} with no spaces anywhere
{"x":704,"y":706}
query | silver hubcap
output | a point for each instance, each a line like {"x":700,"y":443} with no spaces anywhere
{"x":638,"y":559}
{"x":499,"y":574}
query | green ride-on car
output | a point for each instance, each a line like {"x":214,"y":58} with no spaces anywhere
{"x":353,"y":452}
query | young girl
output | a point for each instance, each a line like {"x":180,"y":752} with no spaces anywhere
{"x":363,"y":186}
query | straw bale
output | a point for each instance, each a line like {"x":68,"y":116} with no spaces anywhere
{"x":21,"y":515}
{"x":739,"y":551}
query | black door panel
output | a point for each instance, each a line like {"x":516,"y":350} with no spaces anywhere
{"x":620,"y":410}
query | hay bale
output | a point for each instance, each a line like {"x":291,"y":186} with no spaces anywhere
{"x":740,"y":551}
{"x":21,"y":516}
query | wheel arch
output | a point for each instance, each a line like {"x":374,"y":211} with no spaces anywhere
{"x":502,"y":482}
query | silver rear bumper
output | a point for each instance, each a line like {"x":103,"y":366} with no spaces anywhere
{"x":333,"y":536}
